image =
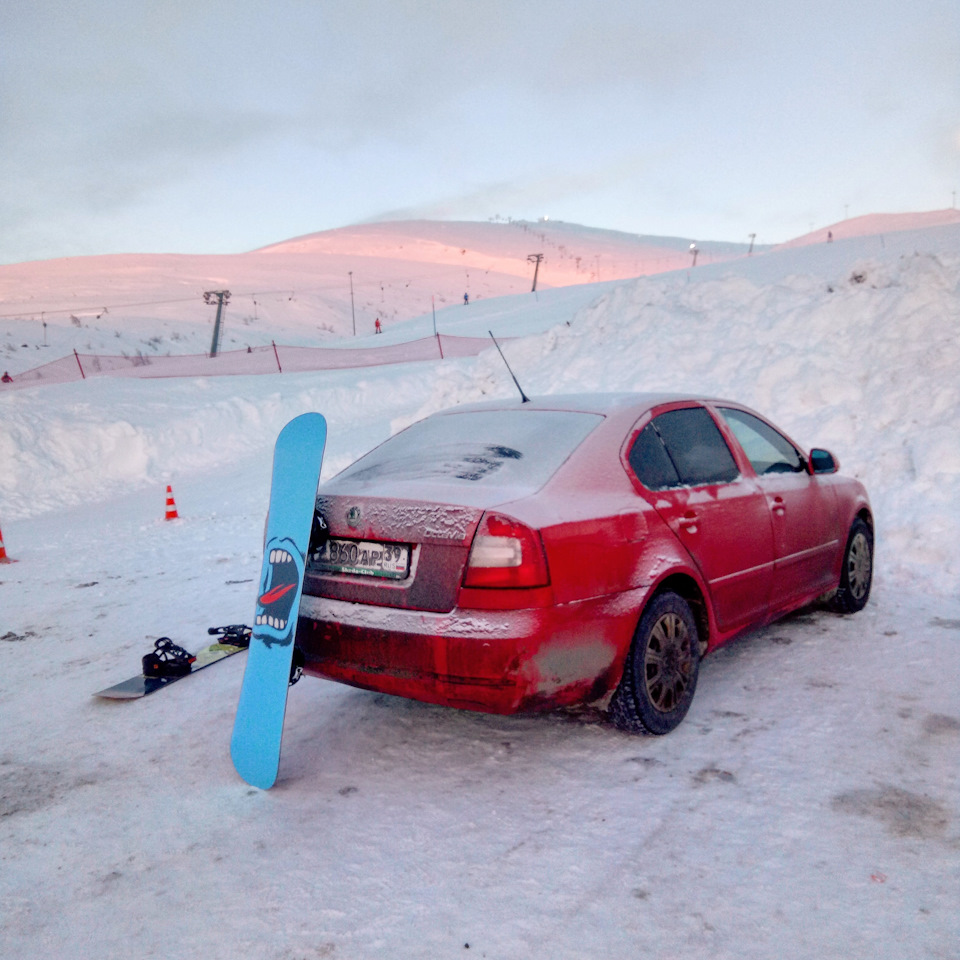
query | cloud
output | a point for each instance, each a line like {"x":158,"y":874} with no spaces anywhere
{"x":113,"y":107}
{"x":535,"y":192}
{"x":342,"y":71}
{"x":106,"y":104}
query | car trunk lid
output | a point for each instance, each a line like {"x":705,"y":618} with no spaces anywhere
{"x":433,"y":541}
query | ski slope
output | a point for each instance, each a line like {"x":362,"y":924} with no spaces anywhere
{"x":308,"y":290}
{"x":807,"y":806}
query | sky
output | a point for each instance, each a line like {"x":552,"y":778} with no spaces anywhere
{"x":217,"y":127}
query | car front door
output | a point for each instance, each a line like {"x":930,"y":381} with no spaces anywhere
{"x":720,"y":516}
{"x":803,"y":508}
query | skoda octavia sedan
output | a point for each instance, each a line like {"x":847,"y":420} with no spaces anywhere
{"x":512,"y":556}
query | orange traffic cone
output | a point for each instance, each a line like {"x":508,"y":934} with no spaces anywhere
{"x":171,"y":513}
{"x":3,"y":553}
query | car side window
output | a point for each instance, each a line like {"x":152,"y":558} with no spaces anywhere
{"x":650,"y":462}
{"x":682,"y":448}
{"x":767,"y":450}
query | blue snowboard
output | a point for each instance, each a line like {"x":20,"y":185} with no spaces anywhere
{"x":258,"y":728}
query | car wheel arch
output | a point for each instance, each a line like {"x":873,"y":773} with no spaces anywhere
{"x":689,"y":589}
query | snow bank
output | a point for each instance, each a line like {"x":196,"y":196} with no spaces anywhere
{"x":864,"y":361}
{"x":92,"y":441}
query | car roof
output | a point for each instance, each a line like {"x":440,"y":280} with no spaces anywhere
{"x":600,"y":403}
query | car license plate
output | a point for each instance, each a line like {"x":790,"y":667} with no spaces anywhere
{"x":363,"y":558}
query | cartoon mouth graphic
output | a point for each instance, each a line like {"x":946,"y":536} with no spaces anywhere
{"x":275,"y":602}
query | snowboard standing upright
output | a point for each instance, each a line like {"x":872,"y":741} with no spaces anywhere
{"x":258,"y":728}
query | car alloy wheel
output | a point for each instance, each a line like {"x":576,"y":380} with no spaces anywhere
{"x":856,"y":575}
{"x":859,"y":565}
{"x":668,"y":662}
{"x":660,"y":676}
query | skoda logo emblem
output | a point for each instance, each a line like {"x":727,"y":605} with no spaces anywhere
{"x":353,"y":517}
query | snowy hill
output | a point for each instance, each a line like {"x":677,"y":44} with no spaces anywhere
{"x":572,"y":253}
{"x":806,"y":807}
{"x":876,"y":224}
{"x":299,"y":292}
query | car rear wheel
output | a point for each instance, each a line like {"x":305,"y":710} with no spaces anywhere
{"x":856,"y":576}
{"x":660,"y":676}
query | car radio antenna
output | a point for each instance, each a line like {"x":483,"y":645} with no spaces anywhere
{"x":524,"y":397}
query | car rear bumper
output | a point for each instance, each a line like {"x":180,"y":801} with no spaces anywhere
{"x":496,"y":661}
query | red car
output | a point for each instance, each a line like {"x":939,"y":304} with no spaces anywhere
{"x":513,"y":556}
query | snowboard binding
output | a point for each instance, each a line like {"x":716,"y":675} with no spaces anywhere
{"x":297,"y":665}
{"x":237,"y":634}
{"x":167,"y":660}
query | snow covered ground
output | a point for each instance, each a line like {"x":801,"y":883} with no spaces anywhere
{"x":806,"y":807}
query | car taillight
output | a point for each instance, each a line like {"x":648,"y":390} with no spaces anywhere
{"x":505,"y":553}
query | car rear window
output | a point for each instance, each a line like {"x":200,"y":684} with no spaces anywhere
{"x":682,"y":448}
{"x":516,"y":449}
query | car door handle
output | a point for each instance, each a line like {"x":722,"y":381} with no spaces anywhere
{"x":689,"y":522}
{"x":779,"y":506}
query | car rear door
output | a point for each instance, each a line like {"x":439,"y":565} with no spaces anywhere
{"x":718,"y":514}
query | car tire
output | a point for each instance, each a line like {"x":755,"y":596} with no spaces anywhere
{"x":660,"y":675}
{"x":856,"y":575}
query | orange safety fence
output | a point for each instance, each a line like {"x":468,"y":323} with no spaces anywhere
{"x":255,"y":360}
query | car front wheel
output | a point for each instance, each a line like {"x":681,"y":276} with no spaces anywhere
{"x":856,"y":576}
{"x":660,"y":676}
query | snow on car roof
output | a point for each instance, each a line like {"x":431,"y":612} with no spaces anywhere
{"x":601,"y":403}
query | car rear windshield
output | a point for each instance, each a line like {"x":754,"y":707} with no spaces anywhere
{"x":515,"y":451}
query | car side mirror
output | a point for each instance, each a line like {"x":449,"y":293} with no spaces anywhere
{"x":822,"y":461}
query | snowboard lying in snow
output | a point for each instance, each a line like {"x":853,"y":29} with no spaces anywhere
{"x":166,"y":668}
